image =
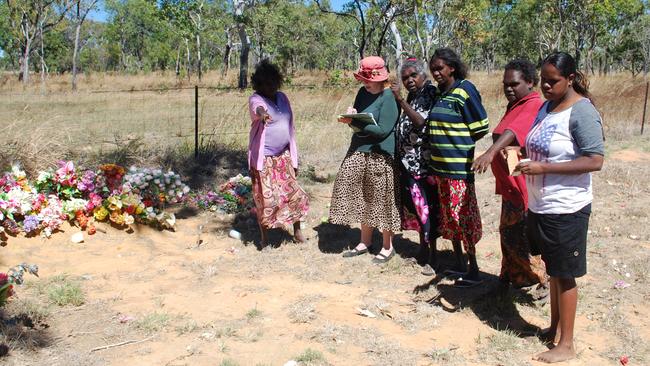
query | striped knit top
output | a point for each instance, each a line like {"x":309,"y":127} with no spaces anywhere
{"x":456,"y":122}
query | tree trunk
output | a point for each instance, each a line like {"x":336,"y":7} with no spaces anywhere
{"x":240,"y":6}
{"x":74,"y":56}
{"x":226,"y":54}
{"x":188,"y":65}
{"x":178,"y":62}
{"x":243,"y":57}
{"x":25,"y":61}
{"x":398,"y":47}
{"x":198,"y":55}
{"x":42,"y":54}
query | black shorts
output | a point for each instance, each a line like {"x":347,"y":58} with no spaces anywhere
{"x":561,"y":239}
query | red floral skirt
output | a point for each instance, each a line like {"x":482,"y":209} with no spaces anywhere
{"x":460,"y":219}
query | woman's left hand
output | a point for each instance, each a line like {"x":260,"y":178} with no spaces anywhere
{"x":531,"y":168}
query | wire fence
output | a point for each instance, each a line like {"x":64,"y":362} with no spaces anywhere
{"x":151,"y":115}
{"x":158,"y":118}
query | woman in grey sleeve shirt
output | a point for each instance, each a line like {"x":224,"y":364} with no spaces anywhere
{"x":565,"y":144}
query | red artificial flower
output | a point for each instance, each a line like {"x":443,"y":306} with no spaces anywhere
{"x":624,"y":360}
{"x":82,"y":219}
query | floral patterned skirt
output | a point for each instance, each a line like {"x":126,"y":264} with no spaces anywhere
{"x":365,"y":191}
{"x":460,"y":219}
{"x":279,"y":200}
{"x":420,"y":208}
{"x":518,"y":266}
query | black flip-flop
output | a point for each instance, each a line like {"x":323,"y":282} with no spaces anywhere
{"x":355,"y":252}
{"x":380,"y":258}
{"x":466,"y":282}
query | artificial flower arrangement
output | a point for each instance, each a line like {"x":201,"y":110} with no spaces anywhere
{"x":110,"y":193}
{"x":14,"y":277}
{"x":235,"y":195}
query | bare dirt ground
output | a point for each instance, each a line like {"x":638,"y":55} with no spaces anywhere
{"x":228,"y":302}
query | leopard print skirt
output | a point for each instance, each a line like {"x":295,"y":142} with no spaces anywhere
{"x":365,"y":191}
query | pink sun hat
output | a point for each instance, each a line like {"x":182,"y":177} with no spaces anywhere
{"x":372,"y":68}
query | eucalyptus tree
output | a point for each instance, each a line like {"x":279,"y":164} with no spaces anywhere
{"x":240,"y":8}
{"x":29,"y":20}
{"x":373,"y":17}
{"x":136,"y":32}
{"x":79,"y":12}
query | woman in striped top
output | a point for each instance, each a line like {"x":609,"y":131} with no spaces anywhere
{"x":456,"y":122}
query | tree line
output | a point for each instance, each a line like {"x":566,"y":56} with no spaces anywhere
{"x":189,"y":37}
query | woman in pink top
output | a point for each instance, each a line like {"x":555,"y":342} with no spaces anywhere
{"x":273,"y":156}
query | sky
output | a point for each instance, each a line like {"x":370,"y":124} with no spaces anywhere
{"x":100,"y":15}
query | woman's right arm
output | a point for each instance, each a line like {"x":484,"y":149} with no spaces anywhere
{"x":258,"y":110}
{"x":415,"y":117}
{"x":481,"y":163}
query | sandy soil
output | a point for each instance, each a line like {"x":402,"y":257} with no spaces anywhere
{"x":229,"y":302}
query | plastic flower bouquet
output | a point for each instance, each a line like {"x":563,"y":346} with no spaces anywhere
{"x":233,"y":196}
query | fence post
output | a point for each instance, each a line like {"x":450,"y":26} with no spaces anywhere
{"x":645,"y":105}
{"x":196,"y":121}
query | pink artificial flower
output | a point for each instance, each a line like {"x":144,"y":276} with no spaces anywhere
{"x":65,"y":174}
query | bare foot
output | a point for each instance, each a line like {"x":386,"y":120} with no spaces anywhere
{"x":549,"y":336}
{"x":558,"y":354}
{"x":298,"y":237}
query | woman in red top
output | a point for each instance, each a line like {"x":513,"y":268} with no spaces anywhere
{"x":518,"y":266}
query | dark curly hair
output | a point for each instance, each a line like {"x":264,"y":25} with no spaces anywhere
{"x":526,"y":68}
{"x":266,"y":73}
{"x":451,"y":59}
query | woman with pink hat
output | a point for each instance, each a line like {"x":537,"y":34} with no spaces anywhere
{"x":365,"y":189}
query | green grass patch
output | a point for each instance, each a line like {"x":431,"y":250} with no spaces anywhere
{"x":153,"y":322}
{"x":64,"y":291}
{"x":253,"y":314}
{"x":311,"y":357}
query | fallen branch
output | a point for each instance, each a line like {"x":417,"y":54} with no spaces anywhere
{"x":120,"y":344}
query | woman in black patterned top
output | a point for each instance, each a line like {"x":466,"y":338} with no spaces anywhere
{"x":419,"y":193}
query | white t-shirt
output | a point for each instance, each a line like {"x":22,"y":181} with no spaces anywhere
{"x":559,"y":137}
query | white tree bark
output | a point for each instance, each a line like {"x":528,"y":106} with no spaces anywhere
{"x":82,"y":10}
{"x":398,"y":42}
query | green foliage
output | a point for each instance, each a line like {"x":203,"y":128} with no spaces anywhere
{"x":147,"y":35}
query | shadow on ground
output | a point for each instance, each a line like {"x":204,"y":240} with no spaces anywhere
{"x":491,"y":301}
{"x":215,"y":163}
{"x":22,"y":332}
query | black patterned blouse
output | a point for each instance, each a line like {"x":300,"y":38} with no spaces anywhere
{"x":411,"y":140}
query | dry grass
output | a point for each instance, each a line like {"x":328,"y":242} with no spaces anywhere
{"x":303,"y":310}
{"x":505,"y":348}
{"x":157,"y":127}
